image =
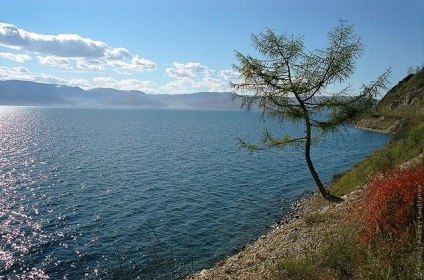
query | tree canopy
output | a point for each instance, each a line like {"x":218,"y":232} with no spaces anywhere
{"x":293,"y":84}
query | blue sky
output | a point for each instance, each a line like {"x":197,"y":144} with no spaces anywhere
{"x":186,"y":46}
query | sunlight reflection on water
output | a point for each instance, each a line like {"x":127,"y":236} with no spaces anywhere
{"x":21,"y":225}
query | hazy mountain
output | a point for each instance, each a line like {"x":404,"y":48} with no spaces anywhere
{"x":26,"y":93}
{"x":30,"y":93}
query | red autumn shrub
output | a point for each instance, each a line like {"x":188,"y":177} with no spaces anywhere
{"x":390,"y":205}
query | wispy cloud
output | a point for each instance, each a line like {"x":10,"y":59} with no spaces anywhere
{"x":88,"y":64}
{"x":21,"y":58}
{"x":230,"y":74}
{"x":14,"y":73}
{"x":55,"y":61}
{"x":136,"y":64}
{"x":126,"y":84}
{"x":189,"y":70}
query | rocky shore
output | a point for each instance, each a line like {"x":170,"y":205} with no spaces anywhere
{"x":301,"y":231}
{"x":379,"y":124}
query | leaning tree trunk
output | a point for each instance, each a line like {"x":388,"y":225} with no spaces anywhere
{"x":325,"y":193}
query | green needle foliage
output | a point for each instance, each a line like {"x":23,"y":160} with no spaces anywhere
{"x":290,"y":83}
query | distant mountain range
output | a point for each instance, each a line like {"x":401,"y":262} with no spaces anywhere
{"x":25,"y":93}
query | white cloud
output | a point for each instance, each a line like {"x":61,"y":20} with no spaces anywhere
{"x":188,"y":70}
{"x":11,"y":36}
{"x":91,"y":64}
{"x":191,"y":77}
{"x":63,"y":45}
{"x":104,"y":80}
{"x":21,"y":58}
{"x":118,"y":53}
{"x":89,"y":54}
{"x":15,"y":73}
{"x":55,"y":61}
{"x":136,"y":64}
{"x":21,"y":69}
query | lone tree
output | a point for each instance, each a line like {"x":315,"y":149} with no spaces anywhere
{"x":290,"y":83}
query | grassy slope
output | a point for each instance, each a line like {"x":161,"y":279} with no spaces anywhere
{"x":401,"y":112}
{"x":400,"y":150}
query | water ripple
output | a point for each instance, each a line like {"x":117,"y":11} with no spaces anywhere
{"x":80,"y":188}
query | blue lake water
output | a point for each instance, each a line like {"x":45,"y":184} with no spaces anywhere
{"x":83,"y":189}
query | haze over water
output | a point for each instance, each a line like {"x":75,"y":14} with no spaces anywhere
{"x":81,"y":187}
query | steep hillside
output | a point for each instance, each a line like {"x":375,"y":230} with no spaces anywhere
{"x":402,"y":107}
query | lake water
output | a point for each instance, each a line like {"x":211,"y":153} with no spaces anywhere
{"x":84,"y":190}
